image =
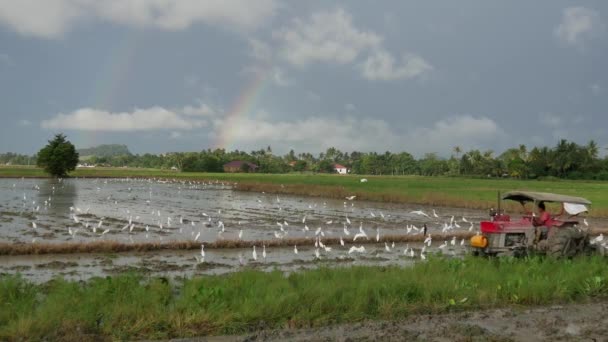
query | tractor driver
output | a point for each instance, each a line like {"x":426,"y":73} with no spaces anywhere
{"x":541,"y":221}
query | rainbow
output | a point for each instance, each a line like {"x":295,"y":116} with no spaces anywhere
{"x":109,"y":82}
{"x":243,"y":105}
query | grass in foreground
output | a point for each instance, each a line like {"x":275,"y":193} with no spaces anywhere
{"x":441,"y":191}
{"x":132,"y":307}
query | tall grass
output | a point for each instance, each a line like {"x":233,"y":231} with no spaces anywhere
{"x":132,"y":307}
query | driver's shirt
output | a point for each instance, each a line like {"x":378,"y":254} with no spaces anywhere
{"x":545,"y":217}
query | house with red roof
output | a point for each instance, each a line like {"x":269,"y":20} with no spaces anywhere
{"x":341,"y":169}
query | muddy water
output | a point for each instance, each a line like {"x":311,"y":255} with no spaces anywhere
{"x":138,"y":210}
{"x":82,"y":210}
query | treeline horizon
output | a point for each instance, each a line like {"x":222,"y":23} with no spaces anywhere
{"x":564,"y":160}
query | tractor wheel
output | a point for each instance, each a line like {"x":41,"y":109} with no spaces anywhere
{"x":566,"y":242}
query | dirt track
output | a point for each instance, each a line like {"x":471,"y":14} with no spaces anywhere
{"x":571,"y":322}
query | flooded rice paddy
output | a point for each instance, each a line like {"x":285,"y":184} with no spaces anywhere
{"x":129,"y":211}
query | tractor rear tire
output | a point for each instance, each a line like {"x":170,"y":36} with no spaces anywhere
{"x":566,"y":242}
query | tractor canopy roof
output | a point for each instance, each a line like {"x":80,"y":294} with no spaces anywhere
{"x":531,"y":196}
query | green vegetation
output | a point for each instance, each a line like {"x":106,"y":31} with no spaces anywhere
{"x":567,"y":160}
{"x":132,"y":307}
{"x":107,"y":151}
{"x":58,"y":157}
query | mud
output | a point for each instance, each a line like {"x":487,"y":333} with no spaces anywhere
{"x":570,"y":322}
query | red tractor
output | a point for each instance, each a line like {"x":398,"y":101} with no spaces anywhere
{"x":551,"y":236}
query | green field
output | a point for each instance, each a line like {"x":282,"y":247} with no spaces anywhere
{"x":441,"y":191}
{"x":134,"y":307}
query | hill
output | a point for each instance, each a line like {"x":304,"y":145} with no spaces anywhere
{"x":104,"y":151}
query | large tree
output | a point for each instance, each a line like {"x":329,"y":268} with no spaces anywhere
{"x":58,"y":157}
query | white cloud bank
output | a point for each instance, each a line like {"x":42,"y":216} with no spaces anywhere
{"x":150,"y":119}
{"x":311,"y":134}
{"x":53,"y":18}
{"x":578,"y":23}
{"x":332,"y":37}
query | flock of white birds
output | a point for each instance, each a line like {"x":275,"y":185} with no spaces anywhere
{"x":84,"y":223}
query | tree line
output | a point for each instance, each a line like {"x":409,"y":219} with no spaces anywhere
{"x":566,"y":159}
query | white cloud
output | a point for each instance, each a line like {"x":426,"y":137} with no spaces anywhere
{"x":578,"y":23}
{"x":324,"y":37}
{"x":53,"y":18}
{"x":348,"y":133}
{"x":150,"y":119}
{"x":381,"y":65}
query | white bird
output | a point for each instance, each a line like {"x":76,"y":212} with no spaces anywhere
{"x":363,"y":180}
{"x":318,"y":231}
{"x":197,"y":236}
{"x":350,"y":198}
{"x":304,"y":219}
{"x":347,"y":219}
{"x":471,"y":227}
{"x":453,"y":242}
{"x":317,"y":255}
{"x":353,"y":249}
{"x":240,"y":234}
{"x":422,"y":256}
{"x":341,"y":241}
{"x":306,"y":228}
{"x":295,"y":249}
{"x":464,"y":219}
{"x":597,"y":239}
{"x":585,"y":222}
{"x":435,"y":214}
{"x":360,"y":235}
{"x":329,"y":222}
{"x":346,"y":232}
{"x":443,"y":245}
{"x":377,"y":234}
{"x":462,"y":242}
{"x":285,"y":223}
{"x":105,"y":231}
{"x":34,"y":225}
{"x":264,"y":252}
{"x":203,"y":251}
{"x":147,"y":228}
{"x":372,"y":213}
{"x":386,"y":247}
{"x":241,"y":260}
{"x":254,"y":254}
{"x":419,"y":212}
{"x":428,"y":240}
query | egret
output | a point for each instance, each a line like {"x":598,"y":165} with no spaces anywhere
{"x":240,"y":234}
{"x":353,"y":249}
{"x":254,"y":254}
{"x":203,"y":251}
{"x":443,"y":245}
{"x":347,"y":219}
{"x":34,"y":225}
{"x":462,"y":242}
{"x":453,"y":242}
{"x":419,"y":212}
{"x":295,"y":249}
{"x":350,"y":198}
{"x":341,"y":241}
{"x":317,"y":255}
{"x":197,"y":236}
{"x":304,"y":219}
{"x":306,"y":228}
{"x":585,"y":222}
{"x":435,"y":214}
{"x":346,"y":232}
{"x":464,"y":219}
{"x":264,"y":252}
{"x":377,"y":234}
{"x":386,"y":247}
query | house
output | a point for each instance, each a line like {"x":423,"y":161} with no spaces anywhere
{"x":240,"y":166}
{"x":341,"y":169}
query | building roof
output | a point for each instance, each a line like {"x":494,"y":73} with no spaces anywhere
{"x":339,"y":166}
{"x":239,"y":163}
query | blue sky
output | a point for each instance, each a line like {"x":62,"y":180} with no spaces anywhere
{"x":417,"y":76}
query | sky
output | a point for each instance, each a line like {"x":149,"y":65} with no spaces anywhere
{"x":416,"y":76}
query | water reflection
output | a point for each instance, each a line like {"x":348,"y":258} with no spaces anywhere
{"x":63,"y":193}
